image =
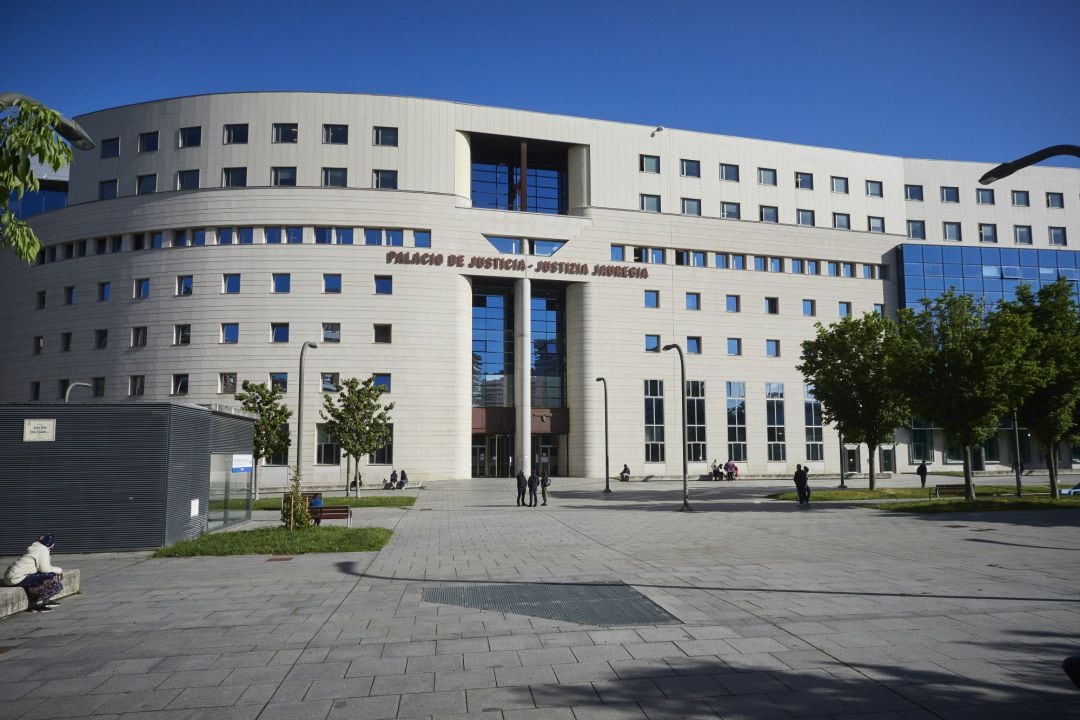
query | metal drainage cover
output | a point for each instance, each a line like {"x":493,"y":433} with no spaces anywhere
{"x":603,"y":605}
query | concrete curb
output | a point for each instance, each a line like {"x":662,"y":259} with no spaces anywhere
{"x":13,"y":599}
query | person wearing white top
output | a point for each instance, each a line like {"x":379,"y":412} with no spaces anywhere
{"x":35,"y":573}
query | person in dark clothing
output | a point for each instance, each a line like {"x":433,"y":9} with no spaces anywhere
{"x":802,"y":484}
{"x":404,"y":482}
{"x":393,"y":479}
{"x":534,"y":482}
{"x":545,"y":483}
{"x":521,"y":485}
{"x":316,"y":504}
{"x":625,"y":474}
{"x":921,"y":472}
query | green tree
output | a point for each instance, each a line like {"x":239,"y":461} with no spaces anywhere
{"x":294,"y":511}
{"x":271,"y":429}
{"x":964,"y":369}
{"x":357,"y":418}
{"x":28,"y":131}
{"x":850,"y":365}
{"x":1049,"y":411}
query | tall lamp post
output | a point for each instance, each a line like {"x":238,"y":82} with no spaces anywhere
{"x":67,"y":129}
{"x":300,"y":412}
{"x":607,"y":455}
{"x":682,"y":369}
{"x":72,"y":386}
{"x":1016,"y":455}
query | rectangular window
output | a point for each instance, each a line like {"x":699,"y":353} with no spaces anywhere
{"x":804,"y":180}
{"x":1057,"y":236}
{"x":65,"y":342}
{"x":136,"y":385}
{"x":649,"y":163}
{"x":180,"y":238}
{"x":734,"y":346}
{"x":776,"y":264}
{"x":285,"y":133}
{"x":840,"y":185}
{"x":950,"y":194}
{"x":145,"y":184}
{"x":768,"y":213}
{"x":39,"y":344}
{"x":922,"y":441}
{"x":189,"y":137}
{"x":327,"y":448}
{"x":40,"y":300}
{"x":421,"y":238}
{"x":804,"y":217}
{"x":236,"y":134}
{"x":913,"y":192}
{"x":844,"y":308}
{"x":148,"y":141}
{"x":841,"y":221}
{"x":384,"y":334}
{"x":227,"y":383}
{"x":382,"y":380}
{"x":138,"y":337}
{"x":879,"y":308}
{"x":730,"y":210}
{"x":283,"y":176}
{"x":331,"y":332}
{"x":916,"y":229}
{"x":875,"y":224}
{"x":766,"y":176}
{"x":696,"y":450}
{"x":180,"y":384}
{"x":950,"y":231}
{"x":693,"y":301}
{"x":772,"y":348}
{"x":652,"y":298}
{"x":730,"y":172}
{"x":97,"y":386}
{"x":335,"y":177}
{"x":384,"y":285}
{"x":691,"y":206}
{"x":736,"y":421}
{"x":385,"y":454}
{"x":279,"y":381}
{"x":281,"y":283}
{"x":759,"y":263}
{"x":281,"y":457}
{"x":690,"y":168}
{"x":738,"y":262}
{"x":813,"y":267}
{"x":618,"y":253}
{"x":815,"y":435}
{"x":984,"y":196}
{"x":331,"y":283}
{"x":809,"y":308}
{"x":279,"y":332}
{"x":874,"y":188}
{"x":335,"y":134}
{"x":832,"y":268}
{"x":386,"y":136}
{"x":654,"y":421}
{"x":230,"y":333}
{"x":117,"y":244}
{"x":181,"y":334}
{"x":650,"y":203}
{"x":1055,"y":200}
{"x":330,"y":382}
{"x":731,"y":303}
{"x":234,"y":177}
{"x":384,"y":179}
{"x":35,"y":390}
{"x":774,"y":422}
{"x":1021,"y":198}
{"x":772,"y":306}
{"x":101,"y":339}
{"x":987,"y":232}
{"x":184,"y":284}
{"x":693,"y":345}
{"x":652,"y":343}
{"x":107,"y":190}
{"x":230,"y":284}
{"x":1022,"y":234}
{"x":141,"y":289}
{"x":187,"y":180}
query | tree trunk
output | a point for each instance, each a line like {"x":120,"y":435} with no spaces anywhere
{"x":1051,"y":466}
{"x":873,"y":450}
{"x":969,"y":485}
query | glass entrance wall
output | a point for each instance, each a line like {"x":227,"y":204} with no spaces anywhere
{"x":548,"y":362}
{"x":545,"y":454}
{"x":230,"y":493}
{"x":493,"y":346}
{"x":492,"y":455}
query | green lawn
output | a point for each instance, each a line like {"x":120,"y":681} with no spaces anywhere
{"x":274,"y":503}
{"x":906,"y":492}
{"x":280,"y":541}
{"x":983,"y":504}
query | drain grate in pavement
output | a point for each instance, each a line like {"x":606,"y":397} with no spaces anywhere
{"x":604,"y":605}
{"x":278,"y":559}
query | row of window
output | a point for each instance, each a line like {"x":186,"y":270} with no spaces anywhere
{"x":841,"y":185}
{"x":953,"y":232}
{"x":234,"y":177}
{"x":280,"y":283}
{"x":244,"y":235}
{"x":238,"y":133}
{"x":733,"y":304}
{"x":759,"y":263}
{"x":766,"y":213}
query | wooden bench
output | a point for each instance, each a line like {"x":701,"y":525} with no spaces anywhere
{"x":332,"y":512}
{"x":948,"y":490}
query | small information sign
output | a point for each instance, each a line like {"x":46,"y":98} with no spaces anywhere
{"x":241,"y":463}
{"x":39,"y":430}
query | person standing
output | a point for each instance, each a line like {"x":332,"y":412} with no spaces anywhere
{"x":545,"y":482}
{"x":521,"y":484}
{"x":316,"y":504}
{"x":715,"y":471}
{"x":393,"y":479}
{"x":921,"y":472}
{"x":35,"y":573}
{"x":802,"y":489}
{"x":534,"y":482}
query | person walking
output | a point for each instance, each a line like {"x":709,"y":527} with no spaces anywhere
{"x":802,"y":487}
{"x":545,"y":483}
{"x":921,"y":472}
{"x":534,"y":482}
{"x":521,"y":484}
{"x":35,"y":573}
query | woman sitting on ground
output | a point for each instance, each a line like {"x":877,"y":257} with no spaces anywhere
{"x":35,"y":574}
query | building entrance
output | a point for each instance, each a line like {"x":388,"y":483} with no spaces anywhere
{"x":545,"y":454}
{"x":491,"y":455}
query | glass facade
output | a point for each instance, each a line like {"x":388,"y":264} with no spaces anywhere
{"x":548,"y":360}
{"x":736,"y":417}
{"x":495,"y":186}
{"x":493,"y":347}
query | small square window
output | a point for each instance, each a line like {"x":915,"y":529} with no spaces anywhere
{"x":230,"y":284}
{"x":650,"y":203}
{"x":1055,"y":200}
{"x":136,"y":385}
{"x":331,"y":332}
{"x":1021,"y":198}
{"x":618,"y":253}
{"x":187,"y":180}
{"x":731,"y":303}
{"x":812,"y":267}
{"x":950,"y":231}
{"x":809,"y":308}
{"x":330,"y":382}
{"x":913,"y":193}
{"x":189,"y":137}
{"x":381,"y":380}
{"x":180,"y":238}
{"x":832,"y":269}
{"x":730,"y":210}
{"x":839,"y":184}
{"x":772,"y":348}
{"x":181,"y":334}
{"x":279,"y":381}
{"x":145,"y":184}
{"x":804,"y":181}
{"x":180,"y":384}
{"x":693,"y":301}
{"x":950,"y":194}
{"x":984,"y":196}
{"x":236,"y":134}
{"x":107,"y":190}
{"x":335,"y":177}
{"x":69,"y":295}
{"x":874,"y":188}
{"x":227,"y":383}
{"x":138,"y":337}
{"x":738,"y":262}
{"x":331,"y":283}
{"x":841,"y":221}
{"x":148,"y":141}
{"x":769,"y":214}
{"x":734,"y":346}
{"x":690,"y":168}
{"x":847,"y":269}
{"x":805,"y":217}
{"x":691,"y":206}
{"x":1057,"y":236}
{"x":285,"y":133}
{"x":384,"y":285}
{"x":916,"y":229}
{"x":649,"y":163}
{"x":279,"y":332}
{"x":772,"y":306}
{"x":383,"y":333}
{"x":184,"y":284}
{"x":731,"y":172}
{"x":335,"y":134}
{"x":652,"y":298}
{"x":385,"y":136}
{"x":776,"y":264}
{"x":693,"y":345}
{"x":281,"y":283}
{"x":797,"y":266}
{"x":875,"y":224}
{"x":101,"y":339}
{"x":283,"y":176}
{"x":652,"y":343}
{"x":987,"y":232}
{"x":385,"y":179}
{"x":759,"y":263}
{"x":844,"y":309}
{"x":234,"y":177}
{"x":422,"y":238}
{"x":230,"y":333}
{"x":766,"y":176}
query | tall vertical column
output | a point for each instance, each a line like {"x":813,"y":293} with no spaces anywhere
{"x":523,"y":374}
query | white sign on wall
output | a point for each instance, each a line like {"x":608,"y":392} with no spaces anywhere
{"x":195,"y":507}
{"x":39,"y":430}
{"x":241,"y":463}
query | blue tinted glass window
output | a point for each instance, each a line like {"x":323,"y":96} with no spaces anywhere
{"x":422,"y":238}
{"x":395,"y":238}
{"x":230,"y":333}
{"x":198,"y":237}
{"x":279,"y":332}
{"x":732,"y":303}
{"x":722,"y":261}
{"x":282,"y":282}
{"x":734,"y":346}
{"x":384,"y":285}
{"x":273,"y":235}
{"x":382,"y":380}
{"x":693,"y":301}
{"x":652,"y":299}
{"x":343,"y":235}
{"x":231,"y":284}
{"x":295,"y":234}
{"x":505,"y":245}
{"x":656,"y":256}
{"x":372,"y":236}
{"x":693,"y":345}
{"x":759,"y":263}
{"x":547,"y":247}
{"x":738,"y":262}
{"x":157,"y":240}
{"x":324,"y":236}
{"x":652,"y":343}
{"x":245,"y":235}
{"x":331,"y":283}
{"x":618,"y":253}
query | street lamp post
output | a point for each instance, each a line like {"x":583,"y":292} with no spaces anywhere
{"x":607,"y":455}
{"x":1016,"y":455}
{"x":67,"y":129}
{"x":72,"y":386}
{"x":300,"y":412}
{"x":1004,"y":170}
{"x":682,"y":369}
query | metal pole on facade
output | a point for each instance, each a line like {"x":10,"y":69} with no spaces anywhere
{"x":1004,"y":170}
{"x":300,"y":412}
{"x":607,"y":455}
{"x":682,"y":371}
{"x":840,"y":438}
{"x":72,"y":386}
{"x":1016,"y":455}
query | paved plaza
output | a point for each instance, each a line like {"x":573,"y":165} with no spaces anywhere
{"x":835,"y":611}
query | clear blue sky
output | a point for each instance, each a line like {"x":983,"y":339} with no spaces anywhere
{"x":984,"y":80}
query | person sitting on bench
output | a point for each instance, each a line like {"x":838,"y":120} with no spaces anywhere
{"x":404,"y":481}
{"x":316,"y":504}
{"x":387,"y":485}
{"x":35,"y":573}
{"x":625,"y":474}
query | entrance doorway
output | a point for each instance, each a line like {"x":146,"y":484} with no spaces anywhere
{"x":491,"y":455}
{"x":888,"y":459}
{"x":545,"y":454}
{"x":851,"y":460}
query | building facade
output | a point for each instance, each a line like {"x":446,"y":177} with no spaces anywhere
{"x":488,"y":265}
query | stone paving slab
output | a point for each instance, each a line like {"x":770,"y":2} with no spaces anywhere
{"x":830,"y":611}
